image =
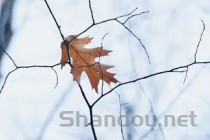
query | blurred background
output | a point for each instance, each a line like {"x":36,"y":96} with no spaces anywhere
{"x":30,"y":105}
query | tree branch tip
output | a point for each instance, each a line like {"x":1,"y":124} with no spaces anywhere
{"x":87,"y":124}
{"x":135,"y":9}
{"x":204,"y":26}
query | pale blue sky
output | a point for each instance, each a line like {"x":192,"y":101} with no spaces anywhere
{"x":170,"y":32}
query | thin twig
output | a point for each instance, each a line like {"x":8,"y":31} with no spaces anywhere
{"x":127,"y":14}
{"x":134,"y":16}
{"x":5,"y":80}
{"x":90,"y":106}
{"x":102,"y":75}
{"x":137,"y":39}
{"x":195,"y":55}
{"x":186,"y":74}
{"x":26,"y":67}
{"x":94,"y":24}
{"x":149,"y":76}
{"x":56,"y":74}
{"x":38,"y":66}
{"x":176,"y":69}
{"x":59,"y":28}
{"x":84,"y":96}
{"x":9,"y":56}
{"x":91,"y":12}
{"x":121,"y":127}
{"x":87,"y":124}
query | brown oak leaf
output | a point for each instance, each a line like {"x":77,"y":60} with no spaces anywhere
{"x":84,"y":61}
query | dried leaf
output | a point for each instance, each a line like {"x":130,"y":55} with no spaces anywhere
{"x":84,"y":61}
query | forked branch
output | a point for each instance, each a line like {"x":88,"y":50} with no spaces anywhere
{"x":178,"y":69}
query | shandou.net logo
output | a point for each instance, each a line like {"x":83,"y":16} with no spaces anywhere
{"x":76,"y":118}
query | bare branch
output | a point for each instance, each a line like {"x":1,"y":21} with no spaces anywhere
{"x":9,"y":56}
{"x":59,"y":28}
{"x":38,"y":66}
{"x":27,"y":67}
{"x":137,"y":39}
{"x":149,"y":76}
{"x":91,"y":12}
{"x":99,"y":61}
{"x":116,"y":19}
{"x":56,"y":74}
{"x":186,"y":73}
{"x":91,"y":123}
{"x":134,"y":16}
{"x":121,"y":127}
{"x":5,"y":80}
{"x":87,"y":124}
{"x":195,"y":55}
{"x":6,"y":19}
{"x":94,"y":24}
{"x":127,"y":14}
{"x":84,"y":96}
{"x":90,"y":111}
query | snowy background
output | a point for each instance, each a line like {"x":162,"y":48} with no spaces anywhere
{"x":30,"y":106}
